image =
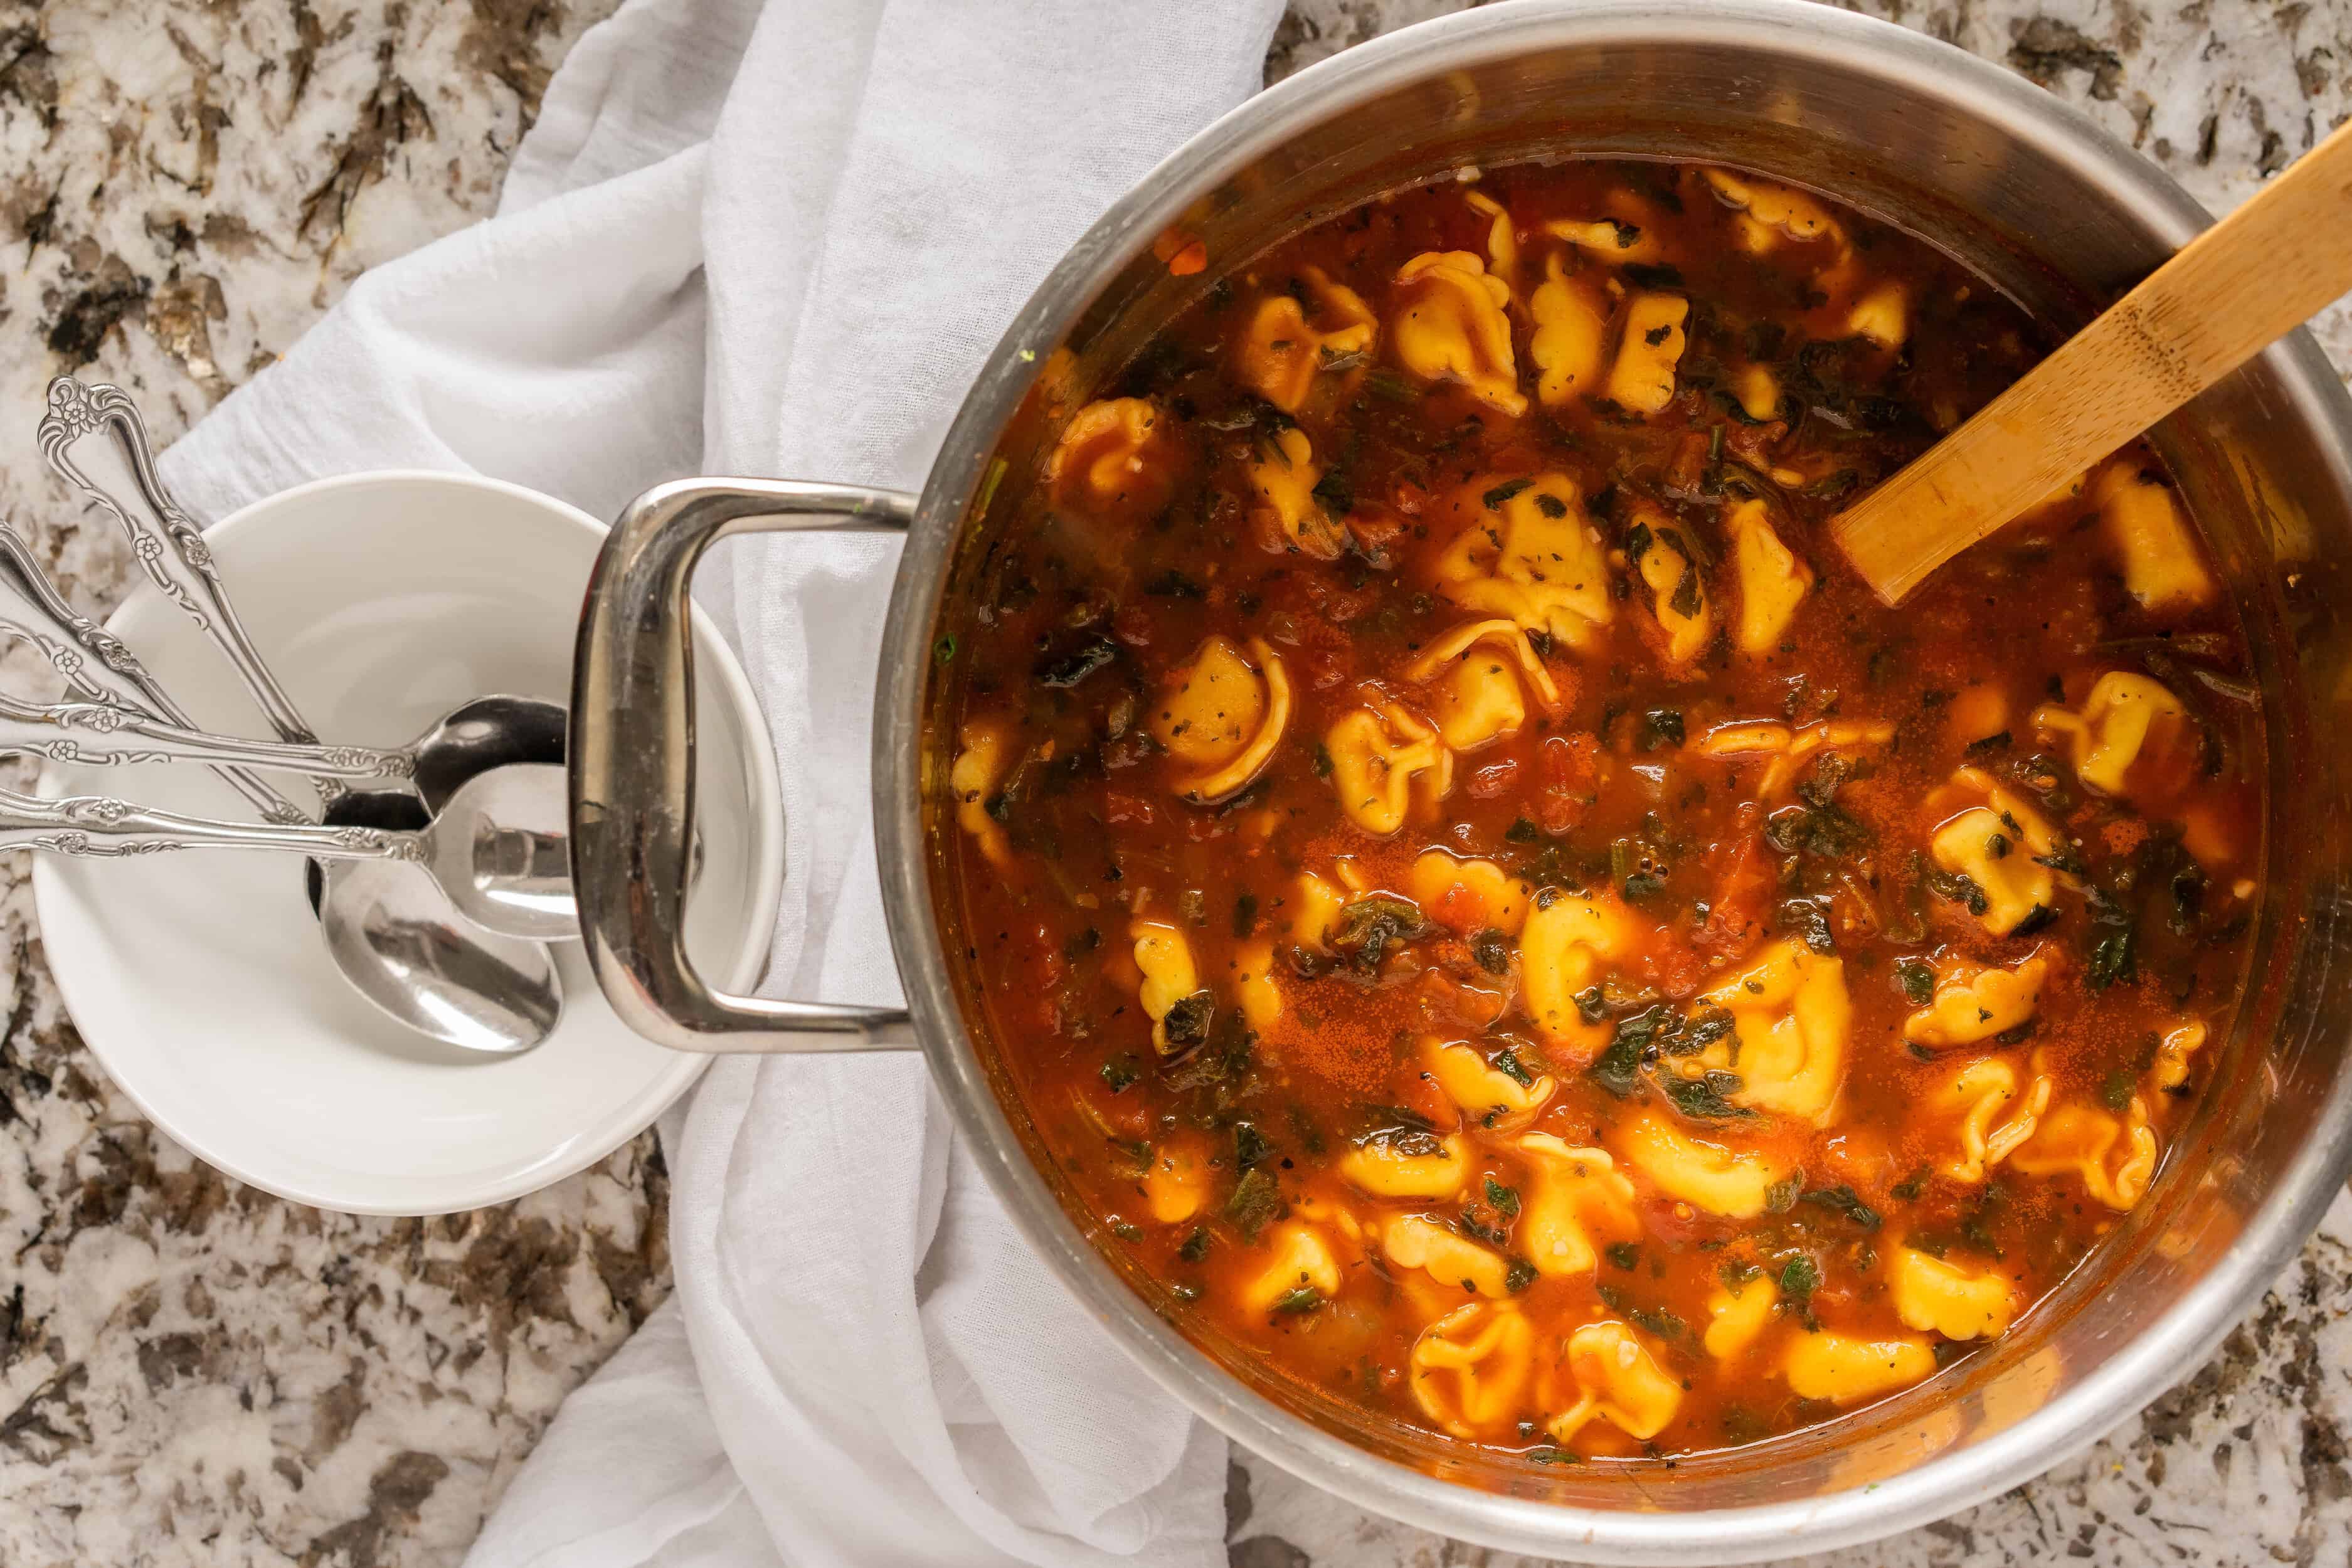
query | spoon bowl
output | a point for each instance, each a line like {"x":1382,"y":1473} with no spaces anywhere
{"x":391,"y":919}
{"x":485,"y":734}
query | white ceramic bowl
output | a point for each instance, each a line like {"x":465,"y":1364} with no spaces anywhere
{"x":198,"y":979}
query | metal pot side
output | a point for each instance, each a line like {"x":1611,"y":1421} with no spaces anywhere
{"x":2031,"y":194}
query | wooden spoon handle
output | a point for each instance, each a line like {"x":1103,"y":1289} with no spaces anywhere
{"x":2231,"y":293}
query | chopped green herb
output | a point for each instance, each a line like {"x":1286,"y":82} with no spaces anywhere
{"x":1918,"y":980}
{"x":1624,"y":1254}
{"x":1781,"y":1195}
{"x":2114,"y":958}
{"x":1196,"y":1245}
{"x":1662,"y":727}
{"x":1503,"y":1200}
{"x":1507,"y":1063}
{"x":1800,"y":1278}
{"x":1244,"y":915}
{"x":1518,"y":1276}
{"x":1492,"y":949}
{"x":1257,"y":1199}
{"x":944,"y":650}
{"x":1706,"y":1097}
{"x":1187,"y":1023}
{"x":1301,"y":1300}
{"x":1841,"y":1199}
{"x":1119,"y":1073}
{"x":1494,"y":499}
{"x":1077,"y":664}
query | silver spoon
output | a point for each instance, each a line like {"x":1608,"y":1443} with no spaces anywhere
{"x":94,"y":663}
{"x":94,"y":439}
{"x":391,"y":930}
{"x":488,"y":733}
{"x":498,"y":852}
{"x":107,"y":734}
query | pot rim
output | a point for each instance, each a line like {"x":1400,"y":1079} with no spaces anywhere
{"x":1937,"y":1487}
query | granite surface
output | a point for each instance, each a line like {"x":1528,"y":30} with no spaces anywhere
{"x":192,"y":1372}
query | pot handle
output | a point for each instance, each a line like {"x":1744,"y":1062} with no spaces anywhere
{"x":632,"y":769}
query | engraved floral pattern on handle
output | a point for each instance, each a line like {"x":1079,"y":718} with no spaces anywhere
{"x":169,"y":545}
{"x":102,"y":826}
{"x":96,"y":665}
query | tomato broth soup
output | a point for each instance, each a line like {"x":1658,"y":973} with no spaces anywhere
{"x":1486,"y":911}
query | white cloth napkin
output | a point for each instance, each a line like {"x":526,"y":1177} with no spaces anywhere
{"x":782,"y":242}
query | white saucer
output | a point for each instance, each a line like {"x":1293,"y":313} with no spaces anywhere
{"x":198,"y":978}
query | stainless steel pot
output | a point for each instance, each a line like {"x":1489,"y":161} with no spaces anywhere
{"x":2019,"y":185}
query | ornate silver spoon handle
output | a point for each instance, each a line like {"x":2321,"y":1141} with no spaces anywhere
{"x":104,"y":734}
{"x":94,"y":439}
{"x":95,"y":663}
{"x":101,"y":826}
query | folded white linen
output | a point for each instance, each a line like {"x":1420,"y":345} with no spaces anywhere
{"x":782,"y":242}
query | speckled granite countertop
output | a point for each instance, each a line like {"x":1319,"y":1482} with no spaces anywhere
{"x":192,"y":1372}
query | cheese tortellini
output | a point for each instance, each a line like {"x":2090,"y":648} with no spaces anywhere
{"x":1793,"y":1020}
{"x":1471,"y":1368}
{"x":1991,"y":1113}
{"x":2150,"y":534}
{"x":2124,"y":716}
{"x":1773,"y":581}
{"x":1790,"y":211}
{"x":1285,"y":475}
{"x":1115,"y":462}
{"x":1541,"y":564}
{"x":1281,"y":352}
{"x":1973,"y":1003}
{"x":1469,"y":896}
{"x":1562,"y":949}
{"x":2003,"y":848}
{"x":1936,"y":1297}
{"x":1641,"y":381}
{"x":1389,"y":1168}
{"x":978,"y":766}
{"x":1381,"y":761}
{"x":1481,"y":671}
{"x":1455,"y":1261}
{"x":1176,"y":1183}
{"x":1678,"y":590}
{"x":1171,"y":985}
{"x":1846,"y":1370}
{"x":1576,"y":1203}
{"x":1451,"y":326}
{"x":1733,"y":1182}
{"x":1572,"y":334}
{"x":1301,"y":1261}
{"x":1223,"y":716}
{"x":2114,"y":1156}
{"x":1480,"y":1090}
{"x":1618,"y":1381}
{"x":1736,"y":1315}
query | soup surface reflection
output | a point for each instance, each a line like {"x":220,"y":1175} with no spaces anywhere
{"x":1492,"y":917}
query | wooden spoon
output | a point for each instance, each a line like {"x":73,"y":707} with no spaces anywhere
{"x":2246,"y":281}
